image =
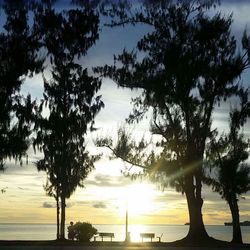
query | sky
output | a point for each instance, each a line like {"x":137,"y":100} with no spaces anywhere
{"x":107,"y":192}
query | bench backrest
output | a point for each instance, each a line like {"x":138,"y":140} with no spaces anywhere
{"x":147,"y":235}
{"x":107,"y":234}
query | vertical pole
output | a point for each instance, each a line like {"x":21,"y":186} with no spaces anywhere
{"x":126,"y":233}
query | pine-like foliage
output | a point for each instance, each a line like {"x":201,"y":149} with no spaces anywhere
{"x":18,"y":58}
{"x":69,"y":99}
{"x":229,"y":173}
{"x":185,"y":65}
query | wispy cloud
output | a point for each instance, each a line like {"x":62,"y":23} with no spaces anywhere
{"x":48,"y":205}
{"x":103,"y":180}
{"x":99,"y":204}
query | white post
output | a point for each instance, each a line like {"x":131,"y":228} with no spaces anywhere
{"x":126,"y":231}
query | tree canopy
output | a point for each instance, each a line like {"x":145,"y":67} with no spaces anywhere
{"x":70,"y":98}
{"x":229,"y":172}
{"x":19,"y":58}
{"x":185,"y":66}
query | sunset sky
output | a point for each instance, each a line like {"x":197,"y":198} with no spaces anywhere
{"x":107,"y":192}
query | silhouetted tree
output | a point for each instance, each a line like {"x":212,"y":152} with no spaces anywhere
{"x":69,"y":97}
{"x":188,"y":64}
{"x":18,"y":58}
{"x":229,"y":174}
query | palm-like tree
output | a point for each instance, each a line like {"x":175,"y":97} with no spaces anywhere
{"x":230,"y":175}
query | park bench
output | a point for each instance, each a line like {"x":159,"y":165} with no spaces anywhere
{"x":147,"y":236}
{"x":150,"y":236}
{"x":105,"y":235}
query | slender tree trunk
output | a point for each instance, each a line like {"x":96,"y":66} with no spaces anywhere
{"x":63,"y":177}
{"x":63,"y":204}
{"x":57,"y":217}
{"x":233,"y":204}
{"x":197,"y":231}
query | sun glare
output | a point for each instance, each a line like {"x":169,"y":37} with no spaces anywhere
{"x":135,"y":231}
{"x":137,"y":199}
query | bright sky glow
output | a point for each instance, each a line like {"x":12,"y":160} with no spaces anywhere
{"x":107,"y":192}
{"x":136,"y":198}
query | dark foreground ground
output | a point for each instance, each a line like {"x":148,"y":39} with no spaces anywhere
{"x":212,"y":244}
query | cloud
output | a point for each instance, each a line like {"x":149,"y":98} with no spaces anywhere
{"x":48,"y":205}
{"x":99,"y":204}
{"x":213,"y":214}
{"x":70,"y":204}
{"x":53,"y":205}
{"x":102,"y":180}
{"x":82,"y":203}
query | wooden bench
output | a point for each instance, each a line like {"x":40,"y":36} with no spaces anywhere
{"x":147,"y":236}
{"x":104,"y":235}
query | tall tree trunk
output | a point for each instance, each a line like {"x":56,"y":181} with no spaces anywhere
{"x":233,"y":204}
{"x":57,"y":217}
{"x":63,"y":204}
{"x":197,"y":231}
{"x":63,"y":177}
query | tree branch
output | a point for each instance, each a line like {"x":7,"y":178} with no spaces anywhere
{"x":123,"y":158}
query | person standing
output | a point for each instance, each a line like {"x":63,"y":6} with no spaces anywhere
{"x":71,"y":233}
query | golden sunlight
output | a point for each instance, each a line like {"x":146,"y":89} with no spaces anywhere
{"x":135,"y":231}
{"x":137,"y":199}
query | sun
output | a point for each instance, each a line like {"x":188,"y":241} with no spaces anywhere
{"x":137,"y":199}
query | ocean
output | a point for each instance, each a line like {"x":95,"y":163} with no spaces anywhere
{"x":168,"y":232}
